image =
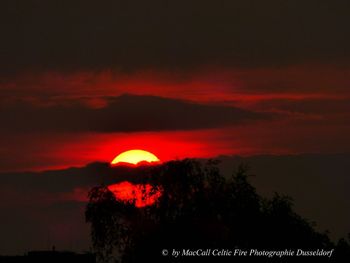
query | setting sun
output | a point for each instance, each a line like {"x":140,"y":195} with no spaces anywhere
{"x":142,"y":194}
{"x":135,"y":157}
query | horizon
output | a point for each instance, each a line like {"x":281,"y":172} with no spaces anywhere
{"x":218,"y":157}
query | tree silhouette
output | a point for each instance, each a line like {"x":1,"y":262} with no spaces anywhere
{"x":198,"y":208}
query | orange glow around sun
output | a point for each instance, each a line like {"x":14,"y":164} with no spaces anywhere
{"x":135,"y":157}
{"x":142,"y":195}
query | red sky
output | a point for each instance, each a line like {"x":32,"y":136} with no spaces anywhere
{"x":38,"y":152}
{"x":285,"y":64}
{"x":312,"y":103}
{"x":208,"y":84}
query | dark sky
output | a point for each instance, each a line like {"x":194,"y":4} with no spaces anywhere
{"x":81,"y":81}
{"x":134,"y":35}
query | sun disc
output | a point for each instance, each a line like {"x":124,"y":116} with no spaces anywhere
{"x":135,"y":157}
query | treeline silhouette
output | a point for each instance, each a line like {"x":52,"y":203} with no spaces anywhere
{"x":199,"y":208}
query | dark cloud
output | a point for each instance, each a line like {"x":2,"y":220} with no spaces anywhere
{"x":66,"y":180}
{"x":321,"y":106}
{"x":68,"y":35}
{"x":123,"y":113}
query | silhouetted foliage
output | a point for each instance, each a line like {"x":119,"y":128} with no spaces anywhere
{"x":198,"y":208}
